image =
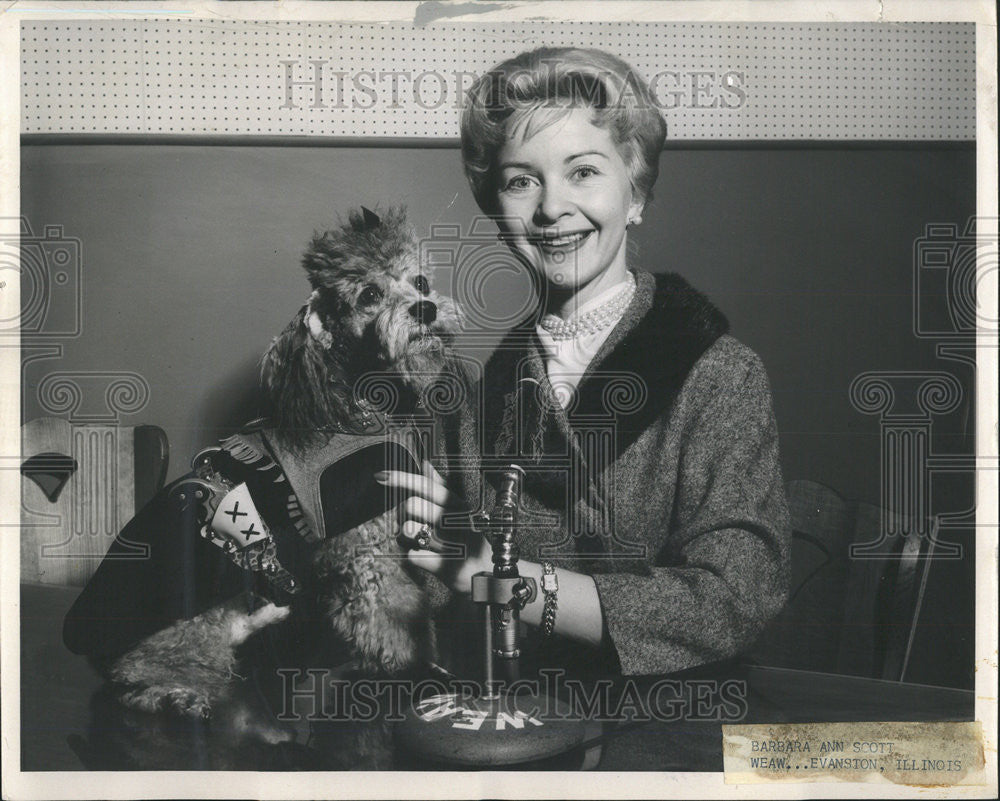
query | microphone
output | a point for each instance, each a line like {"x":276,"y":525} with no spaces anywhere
{"x":504,"y":614}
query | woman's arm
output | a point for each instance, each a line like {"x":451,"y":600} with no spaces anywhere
{"x":579,"y":614}
{"x":730,"y":538}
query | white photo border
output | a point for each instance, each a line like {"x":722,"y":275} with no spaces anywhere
{"x":478,"y":784}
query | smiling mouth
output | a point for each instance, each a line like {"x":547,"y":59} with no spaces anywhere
{"x":562,"y":243}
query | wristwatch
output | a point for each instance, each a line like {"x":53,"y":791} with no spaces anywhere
{"x":550,"y":586}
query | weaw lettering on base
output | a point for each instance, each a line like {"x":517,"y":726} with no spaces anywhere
{"x":472,"y":719}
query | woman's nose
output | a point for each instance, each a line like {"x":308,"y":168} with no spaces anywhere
{"x":553,"y":204}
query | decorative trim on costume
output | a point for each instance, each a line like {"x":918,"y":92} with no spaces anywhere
{"x":237,"y":447}
{"x":211,"y":496}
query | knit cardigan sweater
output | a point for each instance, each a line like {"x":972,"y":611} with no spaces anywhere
{"x":662,"y":480}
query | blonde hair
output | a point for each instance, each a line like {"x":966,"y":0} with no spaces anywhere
{"x":531,"y":91}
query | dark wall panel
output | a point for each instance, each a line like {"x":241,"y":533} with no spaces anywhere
{"x":190,"y":265}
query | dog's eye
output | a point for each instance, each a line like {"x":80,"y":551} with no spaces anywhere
{"x":370,"y":295}
{"x":422,"y":285}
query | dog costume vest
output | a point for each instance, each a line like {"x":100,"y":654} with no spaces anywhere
{"x":243,"y":523}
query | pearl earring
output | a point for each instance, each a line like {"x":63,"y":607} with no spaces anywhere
{"x":635,"y":220}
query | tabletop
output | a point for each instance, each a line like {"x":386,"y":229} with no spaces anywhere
{"x":68,"y":721}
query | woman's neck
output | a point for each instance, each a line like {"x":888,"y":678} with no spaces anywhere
{"x":564,"y":303}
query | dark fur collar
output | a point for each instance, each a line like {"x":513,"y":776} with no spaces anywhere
{"x":637,"y":373}
{"x":660,"y":346}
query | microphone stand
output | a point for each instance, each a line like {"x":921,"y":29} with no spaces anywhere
{"x":504,"y":592}
{"x":499,"y":727}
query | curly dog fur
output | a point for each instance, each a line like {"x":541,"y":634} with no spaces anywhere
{"x":371,"y":602}
{"x":371,"y":309}
{"x":186,"y":665}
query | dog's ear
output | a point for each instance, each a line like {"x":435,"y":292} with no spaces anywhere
{"x":279,"y":356}
{"x":324,"y":255}
{"x":366,"y":220}
{"x":299,"y":381}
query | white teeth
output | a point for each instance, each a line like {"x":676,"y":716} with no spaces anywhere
{"x":559,"y":241}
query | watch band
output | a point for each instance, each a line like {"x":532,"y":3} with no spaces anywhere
{"x":550,"y":586}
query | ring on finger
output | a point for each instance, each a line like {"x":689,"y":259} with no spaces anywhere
{"x":422,"y":540}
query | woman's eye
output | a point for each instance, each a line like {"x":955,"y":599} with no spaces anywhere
{"x":585,"y":172}
{"x":518,"y":183}
{"x":423,"y":287}
{"x":370,"y":295}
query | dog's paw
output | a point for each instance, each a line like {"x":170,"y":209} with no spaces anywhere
{"x":190,"y":704}
{"x":243,"y":626}
{"x":181,"y":700}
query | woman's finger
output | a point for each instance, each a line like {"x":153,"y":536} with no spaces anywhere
{"x":431,"y":473}
{"x":420,"y":509}
{"x":454,"y":563}
{"x":446,"y":561}
{"x":425,"y":560}
{"x":431,"y":487}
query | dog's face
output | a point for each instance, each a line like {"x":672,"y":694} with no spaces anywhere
{"x":372,"y":297}
{"x":372,"y":310}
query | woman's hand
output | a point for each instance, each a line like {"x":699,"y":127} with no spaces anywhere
{"x":454,"y":555}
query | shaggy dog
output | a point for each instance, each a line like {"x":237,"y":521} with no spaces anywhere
{"x":371,"y":309}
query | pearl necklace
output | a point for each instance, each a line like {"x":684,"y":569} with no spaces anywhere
{"x":592,"y":321}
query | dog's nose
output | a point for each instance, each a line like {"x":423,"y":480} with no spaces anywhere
{"x":424,"y":311}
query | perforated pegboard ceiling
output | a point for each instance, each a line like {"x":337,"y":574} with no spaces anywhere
{"x":713,"y":81}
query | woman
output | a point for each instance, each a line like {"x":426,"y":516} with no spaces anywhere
{"x":653,"y":490}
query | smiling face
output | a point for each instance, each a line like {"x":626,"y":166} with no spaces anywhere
{"x":565,"y":198}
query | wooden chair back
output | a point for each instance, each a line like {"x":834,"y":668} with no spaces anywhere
{"x":806,"y":634}
{"x":884,"y":594}
{"x":80,"y":484}
{"x":847,"y":614}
